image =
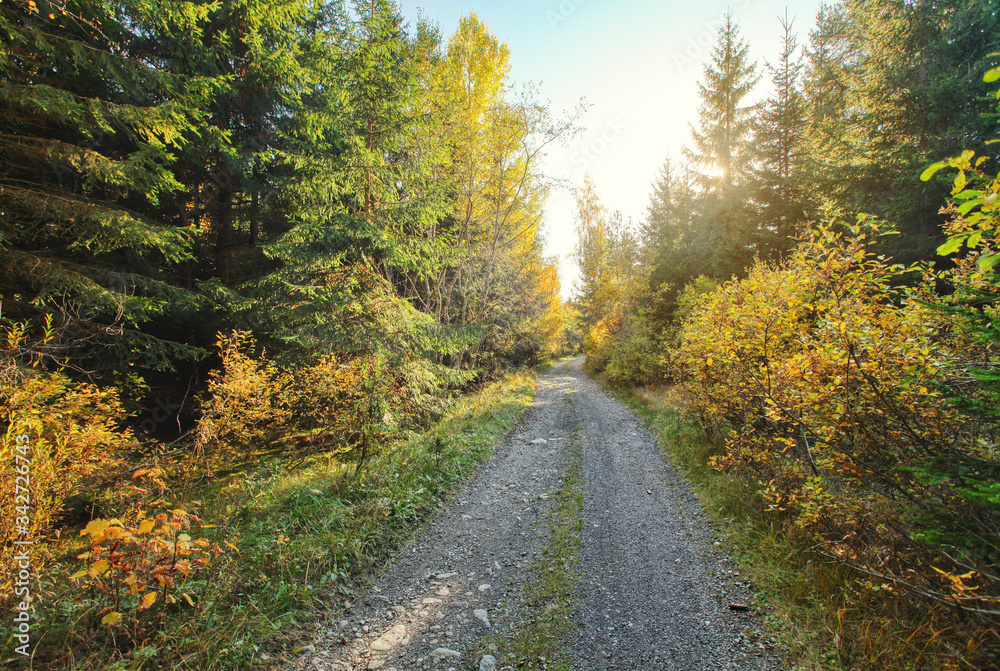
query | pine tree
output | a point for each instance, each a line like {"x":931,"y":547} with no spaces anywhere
{"x":259,"y":127}
{"x":722,"y":154}
{"x":892,"y":84}
{"x":89,"y":132}
{"x":722,"y":139}
{"x":660,"y":219}
{"x":346,"y":191}
{"x":778,"y":138}
{"x":685,"y":245}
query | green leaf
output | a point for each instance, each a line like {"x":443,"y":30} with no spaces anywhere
{"x":952,"y":246}
{"x":960,"y":181}
{"x":932,"y":169}
{"x":987,"y":262}
{"x":965,"y":195}
{"x":967,"y":206}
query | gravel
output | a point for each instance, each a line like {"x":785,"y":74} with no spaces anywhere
{"x":655,"y":586}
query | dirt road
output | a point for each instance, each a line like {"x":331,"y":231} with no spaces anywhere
{"x":575,"y":542}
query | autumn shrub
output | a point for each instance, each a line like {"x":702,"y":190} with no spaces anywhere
{"x":244,"y":405}
{"x":834,"y":382}
{"x":134,"y":570}
{"x":637,"y":355}
{"x":60,"y":439}
{"x":693,"y":296}
{"x":336,"y":403}
{"x":599,"y":340}
{"x":355,"y":403}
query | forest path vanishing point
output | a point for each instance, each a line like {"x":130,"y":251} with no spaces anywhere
{"x":632,"y":579}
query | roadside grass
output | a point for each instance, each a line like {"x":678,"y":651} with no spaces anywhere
{"x":304,"y":540}
{"x":820,"y":612}
{"x":539,"y":639}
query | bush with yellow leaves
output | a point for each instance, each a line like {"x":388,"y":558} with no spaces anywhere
{"x":338,"y":403}
{"x":835,"y":383}
{"x":132,"y":567}
{"x":59,"y":438}
{"x":244,"y":406}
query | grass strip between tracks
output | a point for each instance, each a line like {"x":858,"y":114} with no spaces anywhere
{"x":539,"y":640}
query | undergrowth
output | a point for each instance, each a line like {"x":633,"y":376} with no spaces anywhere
{"x":299,"y":542}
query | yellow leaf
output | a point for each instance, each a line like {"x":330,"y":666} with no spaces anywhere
{"x":146,"y":526}
{"x":99,"y":567}
{"x":95,"y":527}
{"x":111,"y":618}
{"x":79,"y":574}
{"x":147,"y":600}
{"x":187,"y":597}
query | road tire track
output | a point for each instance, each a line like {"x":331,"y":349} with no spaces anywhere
{"x":654,"y":585}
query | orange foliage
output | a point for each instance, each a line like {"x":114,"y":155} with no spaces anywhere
{"x":133,"y":567}
{"x":71,"y":439}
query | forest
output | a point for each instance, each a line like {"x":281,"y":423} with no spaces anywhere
{"x":814,"y":287}
{"x":237,"y":237}
{"x":273,"y":281}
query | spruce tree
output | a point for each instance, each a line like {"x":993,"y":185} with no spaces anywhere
{"x":722,"y":140}
{"x":722,"y":154}
{"x":89,"y":132}
{"x":778,"y":138}
{"x":892,"y":84}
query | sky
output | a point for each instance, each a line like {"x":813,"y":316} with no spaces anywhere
{"x":636,"y":63}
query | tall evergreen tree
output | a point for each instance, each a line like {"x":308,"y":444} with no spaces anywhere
{"x":677,"y":243}
{"x":722,"y":140}
{"x":778,"y":137}
{"x":891,"y":85}
{"x":722,"y":153}
{"x":90,"y":130}
{"x":359,"y":198}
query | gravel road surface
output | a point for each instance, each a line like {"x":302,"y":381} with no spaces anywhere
{"x":655,"y":585}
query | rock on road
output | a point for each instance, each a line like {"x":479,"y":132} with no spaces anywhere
{"x":654,"y":588}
